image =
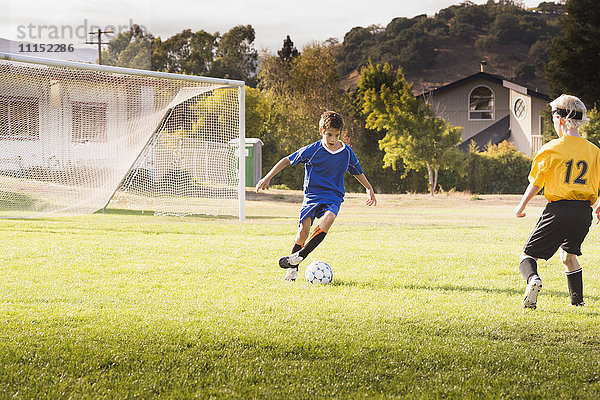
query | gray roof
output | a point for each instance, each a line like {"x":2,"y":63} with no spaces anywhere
{"x":490,"y":77}
{"x":494,"y":134}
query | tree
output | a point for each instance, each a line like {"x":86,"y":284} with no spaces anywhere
{"x":414,"y":135}
{"x":365,"y":142}
{"x":187,"y":52}
{"x":574,"y":58}
{"x":308,"y":83}
{"x":288,"y":52}
{"x":315,"y":77}
{"x":236,"y":56}
{"x":130,"y":49}
{"x":258,"y":111}
{"x":275,"y":73}
{"x":591,"y":130}
{"x":298,"y":92}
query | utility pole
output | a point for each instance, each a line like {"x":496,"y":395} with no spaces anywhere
{"x":99,"y":42}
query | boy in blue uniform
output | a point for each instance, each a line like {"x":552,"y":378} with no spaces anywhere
{"x":325,"y":161}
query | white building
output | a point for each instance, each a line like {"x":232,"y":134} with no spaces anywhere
{"x":491,"y":109}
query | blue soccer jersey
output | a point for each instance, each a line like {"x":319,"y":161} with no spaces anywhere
{"x":325,"y":169}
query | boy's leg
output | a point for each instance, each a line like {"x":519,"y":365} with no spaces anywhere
{"x":327,"y":213}
{"x":301,"y":236}
{"x":528,"y":268}
{"x":318,"y":234}
{"x":574,"y":277}
{"x":581,"y":220}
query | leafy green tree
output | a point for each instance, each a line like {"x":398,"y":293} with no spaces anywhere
{"x":288,"y":52}
{"x":185,"y":53}
{"x":414,"y":135}
{"x":550,"y":7}
{"x":524,"y":72}
{"x":236,"y":57}
{"x":297,"y":91}
{"x":505,"y":28}
{"x":130,"y":49}
{"x":275,"y":73}
{"x":540,"y":52}
{"x":574,"y":58}
{"x":591,"y":130}
{"x":365,"y":142}
{"x":258,"y":111}
{"x":308,"y":83}
{"x":315,"y":77}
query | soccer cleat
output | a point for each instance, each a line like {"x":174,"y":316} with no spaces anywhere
{"x":582,"y":304}
{"x":290,"y":261}
{"x":291,"y":274}
{"x":531,"y":293}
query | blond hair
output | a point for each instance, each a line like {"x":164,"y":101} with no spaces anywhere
{"x":571,"y":110}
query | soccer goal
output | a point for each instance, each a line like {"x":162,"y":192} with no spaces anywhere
{"x":76,"y":138}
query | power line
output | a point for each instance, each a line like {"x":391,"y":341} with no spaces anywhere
{"x":99,"y":42}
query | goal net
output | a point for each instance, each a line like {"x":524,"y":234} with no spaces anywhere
{"x":76,"y":138}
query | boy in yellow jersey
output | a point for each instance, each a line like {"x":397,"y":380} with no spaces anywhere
{"x":568,"y":168}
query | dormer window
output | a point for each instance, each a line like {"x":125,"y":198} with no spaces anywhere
{"x":481,"y":103}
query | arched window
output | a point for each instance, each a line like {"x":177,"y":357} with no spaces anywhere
{"x":481,"y":103}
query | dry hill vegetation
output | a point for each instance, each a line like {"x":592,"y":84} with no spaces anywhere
{"x":436,"y":50}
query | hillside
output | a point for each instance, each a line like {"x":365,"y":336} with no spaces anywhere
{"x":455,"y":60}
{"x":440,"y":49}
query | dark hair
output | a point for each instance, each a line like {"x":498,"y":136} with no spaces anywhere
{"x":331,"y":119}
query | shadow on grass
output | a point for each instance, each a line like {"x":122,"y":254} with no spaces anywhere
{"x":22,"y":218}
{"x":448,"y":288}
{"x":123,"y":211}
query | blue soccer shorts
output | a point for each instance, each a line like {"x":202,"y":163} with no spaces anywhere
{"x":317,"y":210}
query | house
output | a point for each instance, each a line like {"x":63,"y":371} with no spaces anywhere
{"x":491,"y":109}
{"x":57,"y":119}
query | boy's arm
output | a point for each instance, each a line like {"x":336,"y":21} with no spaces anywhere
{"x":264,"y":182}
{"x":371,"y":201}
{"x":530,"y":192}
{"x":596,"y":208}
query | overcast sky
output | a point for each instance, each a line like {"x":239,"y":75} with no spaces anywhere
{"x":65,"y":21}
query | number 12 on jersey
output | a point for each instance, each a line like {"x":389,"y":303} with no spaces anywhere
{"x":581,"y":166}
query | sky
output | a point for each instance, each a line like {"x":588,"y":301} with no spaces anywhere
{"x":306,"y":21}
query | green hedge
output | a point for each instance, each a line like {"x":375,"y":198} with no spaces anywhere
{"x":500,"y":169}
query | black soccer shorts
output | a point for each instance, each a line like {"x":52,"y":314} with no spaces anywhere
{"x":564,"y":224}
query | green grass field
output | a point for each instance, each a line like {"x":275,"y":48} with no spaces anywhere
{"x":425,"y":303}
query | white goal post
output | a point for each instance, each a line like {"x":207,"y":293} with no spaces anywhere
{"x":77,"y":137}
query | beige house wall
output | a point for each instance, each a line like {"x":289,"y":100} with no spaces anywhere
{"x":526,"y":132}
{"x":453,"y":106}
{"x":520,"y":127}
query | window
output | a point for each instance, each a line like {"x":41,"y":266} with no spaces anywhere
{"x":520,"y":108}
{"x":89,"y":122}
{"x":19,"y":118}
{"x":481,"y":103}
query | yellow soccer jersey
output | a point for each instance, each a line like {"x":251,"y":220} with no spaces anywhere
{"x":568,"y":168}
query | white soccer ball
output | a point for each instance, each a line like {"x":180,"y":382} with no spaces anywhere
{"x":318,"y":272}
